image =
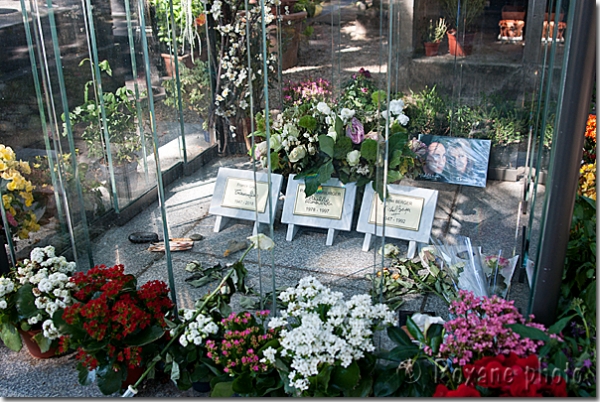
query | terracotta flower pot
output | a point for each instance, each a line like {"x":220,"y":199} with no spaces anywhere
{"x":431,"y":48}
{"x":456,"y":46}
{"x":33,"y":347}
{"x":133,"y":375}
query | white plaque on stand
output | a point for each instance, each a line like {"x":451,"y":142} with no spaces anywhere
{"x":409,"y":215}
{"x":331,"y":207}
{"x":234,"y":197}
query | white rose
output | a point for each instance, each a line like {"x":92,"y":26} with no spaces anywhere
{"x":3,"y":304}
{"x":402,"y":119}
{"x":332,"y":133}
{"x":323,"y":108}
{"x":297,"y":153}
{"x":346,"y":114}
{"x":262,"y":242}
{"x":353,"y":157}
{"x":396,"y":106}
{"x":276,"y":142}
{"x":260,"y":151}
{"x":290,"y":130}
{"x":384,"y":114}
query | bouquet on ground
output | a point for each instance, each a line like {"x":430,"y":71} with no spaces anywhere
{"x":113,"y":324}
{"x":242,"y":355}
{"x":17,"y":194}
{"x":30,"y":295}
{"x":326,"y":345}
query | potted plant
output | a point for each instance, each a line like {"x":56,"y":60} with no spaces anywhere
{"x":326,"y":343}
{"x":113,"y":325}
{"x":239,"y":355}
{"x":188,"y":19}
{"x":435,"y":34}
{"x":29,"y":297}
{"x":463,"y":17}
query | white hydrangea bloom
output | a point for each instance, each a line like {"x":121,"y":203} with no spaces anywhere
{"x":396,"y":106}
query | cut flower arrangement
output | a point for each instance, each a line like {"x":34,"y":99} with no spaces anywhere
{"x":317,"y":140}
{"x":31,"y":294}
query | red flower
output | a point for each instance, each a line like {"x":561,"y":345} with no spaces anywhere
{"x":463,"y":391}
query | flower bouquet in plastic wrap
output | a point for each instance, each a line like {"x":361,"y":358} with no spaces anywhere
{"x":472,"y":270}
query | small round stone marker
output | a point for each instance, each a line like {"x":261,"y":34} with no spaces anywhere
{"x":143,"y":237}
{"x":196,"y":237}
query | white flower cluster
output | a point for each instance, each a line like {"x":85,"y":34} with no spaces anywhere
{"x":396,"y":111}
{"x":49,"y":275}
{"x":6,"y":287}
{"x":196,"y":331}
{"x":310,"y":338}
{"x":232,"y":92}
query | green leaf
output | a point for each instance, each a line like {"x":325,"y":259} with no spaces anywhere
{"x":43,"y":342}
{"x":398,"y":336}
{"x":401,"y":353}
{"x":378,"y":97}
{"x":25,"y":302}
{"x":345,"y":378}
{"x":109,"y":381}
{"x":393,"y":176}
{"x":198,"y":283}
{"x":308,"y":122}
{"x":326,"y":145}
{"x":368,"y":150}
{"x":560,"y":360}
{"x":323,"y":377}
{"x":529,"y":332}
{"x":386,"y":383}
{"x":325,"y":172}
{"x":175,"y":373}
{"x":414,"y":330}
{"x":343,"y":145}
{"x":362,"y":390}
{"x":84,"y":376}
{"x":10,"y":336}
{"x":146,"y":336}
{"x":312,"y":184}
{"x":560,"y":324}
{"x":242,"y":384}
{"x":339,"y":128}
{"x":222,"y":390}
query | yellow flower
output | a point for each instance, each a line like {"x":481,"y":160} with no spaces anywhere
{"x":6,"y":153}
{"x":7,"y":200}
{"x":27,"y":196}
{"x":25,"y":167}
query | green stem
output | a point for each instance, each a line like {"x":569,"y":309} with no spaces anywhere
{"x":441,"y":369}
{"x":180,"y":327}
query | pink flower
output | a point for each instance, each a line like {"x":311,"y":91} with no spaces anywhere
{"x":355,"y":131}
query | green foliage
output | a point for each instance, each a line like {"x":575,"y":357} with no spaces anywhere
{"x":411,"y":372}
{"x":120,"y":119}
{"x":468,"y":12}
{"x":579,"y":273}
{"x":195,"y":89}
{"x":571,"y":354}
{"x":426,"y":110}
{"x":187,"y":30}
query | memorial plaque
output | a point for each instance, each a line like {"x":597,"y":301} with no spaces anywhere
{"x":234,"y":197}
{"x":401,"y":211}
{"x":331,"y":207}
{"x":240,"y":193}
{"x":327,"y":202}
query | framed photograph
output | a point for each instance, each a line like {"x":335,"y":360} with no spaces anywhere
{"x":456,"y":160}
